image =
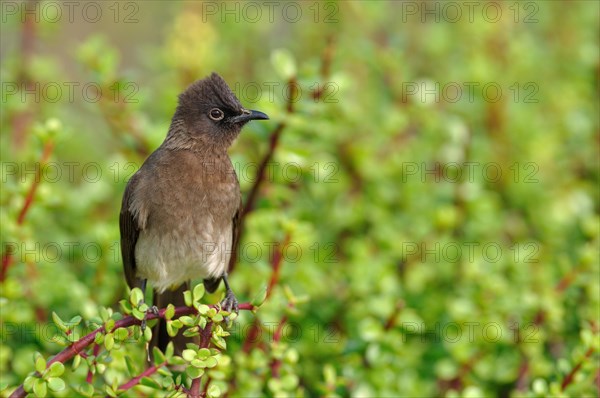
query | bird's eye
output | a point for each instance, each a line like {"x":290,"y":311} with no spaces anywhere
{"x":216,"y":114}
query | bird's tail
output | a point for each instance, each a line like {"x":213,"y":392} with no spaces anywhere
{"x":160,"y":337}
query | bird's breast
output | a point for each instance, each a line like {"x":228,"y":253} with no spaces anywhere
{"x":190,"y":205}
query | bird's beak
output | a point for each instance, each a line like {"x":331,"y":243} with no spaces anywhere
{"x":248,"y":115}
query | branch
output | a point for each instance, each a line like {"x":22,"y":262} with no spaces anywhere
{"x":7,"y":255}
{"x":276,"y":264}
{"x":276,"y":363}
{"x":135,"y":381}
{"x":77,"y":347}
{"x":571,"y":376}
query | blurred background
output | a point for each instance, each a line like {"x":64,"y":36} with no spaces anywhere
{"x":430,"y":203}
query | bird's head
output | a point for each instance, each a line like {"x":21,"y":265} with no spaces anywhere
{"x":209,"y":109}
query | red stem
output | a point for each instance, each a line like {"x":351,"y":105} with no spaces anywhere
{"x":276,"y":264}
{"x":7,"y":256}
{"x":88,"y":339}
{"x":90,"y":375}
{"x":148,"y":372}
{"x":276,"y":363}
{"x":569,"y":378}
{"x":30,"y":195}
{"x":195,"y":388}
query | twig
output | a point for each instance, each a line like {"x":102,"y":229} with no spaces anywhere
{"x":90,"y":376}
{"x":88,"y":339}
{"x":7,"y":255}
{"x":276,"y":264}
{"x":391,"y":321}
{"x":276,"y":363}
{"x":195,"y":388}
{"x":571,"y":376}
{"x":326,"y":59}
{"x":148,"y":372}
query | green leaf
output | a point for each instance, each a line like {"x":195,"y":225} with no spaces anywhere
{"x":159,"y":357}
{"x":110,"y":391}
{"x":289,"y":382}
{"x":86,"y":390}
{"x":260,"y":298}
{"x":203,"y":353}
{"x":105,"y":314}
{"x":59,"y":322}
{"x":187,"y":298}
{"x":76,"y":320}
{"x":99,"y":338}
{"x":131,"y":368}
{"x":191,"y":332}
{"x":109,"y":325}
{"x":56,"y":369}
{"x":109,"y":341}
{"x":199,"y":291}
{"x":148,"y":334}
{"x":188,"y":355}
{"x":193,"y":372}
{"x":125,"y":306}
{"x":136,"y":296}
{"x":218,"y":318}
{"x":203,"y":309}
{"x":219,"y":342}
{"x":39,"y":388}
{"x":171,"y":331}
{"x":202,"y":322}
{"x":138,"y":314}
{"x":213,"y":391}
{"x":177,"y":324}
{"x":121,"y":334}
{"x":284,"y":64}
{"x":170,"y":312}
{"x":56,"y":384}
{"x":187,"y":320}
{"x":211,"y":362}
{"x":40,"y":363}
{"x":149,"y":382}
{"x":28,"y":383}
{"x":170,"y":350}
{"x":76,"y":361}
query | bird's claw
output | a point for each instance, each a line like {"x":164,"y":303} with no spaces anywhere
{"x":151,"y":310}
{"x":230,"y":303}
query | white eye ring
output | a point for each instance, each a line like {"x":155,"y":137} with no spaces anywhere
{"x":216,"y":114}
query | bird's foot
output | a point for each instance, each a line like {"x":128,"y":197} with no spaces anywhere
{"x":230,"y":303}
{"x":151,"y":310}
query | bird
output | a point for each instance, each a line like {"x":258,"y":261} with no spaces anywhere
{"x":180,"y":211}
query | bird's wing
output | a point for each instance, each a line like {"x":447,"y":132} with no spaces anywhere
{"x":212,"y":284}
{"x":235,"y":231}
{"x":129,"y":233}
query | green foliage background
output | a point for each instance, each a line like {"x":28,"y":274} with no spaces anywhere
{"x":396,"y":199}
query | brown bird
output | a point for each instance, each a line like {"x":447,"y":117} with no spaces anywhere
{"x":180,"y":210}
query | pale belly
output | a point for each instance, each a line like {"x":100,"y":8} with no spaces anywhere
{"x":167,"y":260}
